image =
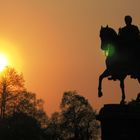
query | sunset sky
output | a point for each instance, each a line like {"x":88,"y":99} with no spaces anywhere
{"x":56,"y":45}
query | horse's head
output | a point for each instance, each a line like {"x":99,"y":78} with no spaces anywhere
{"x":108,"y":38}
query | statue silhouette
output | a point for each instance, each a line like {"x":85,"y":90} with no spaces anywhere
{"x":129,"y":34}
{"x":129,"y":39}
{"x":122,"y":51}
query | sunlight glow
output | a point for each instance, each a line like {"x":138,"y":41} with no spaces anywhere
{"x":3,"y":62}
{"x":12,"y":52}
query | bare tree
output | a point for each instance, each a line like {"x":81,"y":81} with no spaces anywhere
{"x":11,"y":84}
{"x":15,"y":98}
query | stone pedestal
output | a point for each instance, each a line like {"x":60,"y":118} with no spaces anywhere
{"x":120,"y":122}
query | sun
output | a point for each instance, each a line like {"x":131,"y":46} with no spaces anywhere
{"x":3,"y":62}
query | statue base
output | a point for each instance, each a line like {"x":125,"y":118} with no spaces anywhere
{"x":120,"y":122}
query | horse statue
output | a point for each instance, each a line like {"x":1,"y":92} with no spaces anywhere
{"x":119,"y":61}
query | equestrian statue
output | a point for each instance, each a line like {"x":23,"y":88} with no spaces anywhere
{"x":122,"y":52}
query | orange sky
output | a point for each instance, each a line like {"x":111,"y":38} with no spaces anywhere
{"x":55,"y":43}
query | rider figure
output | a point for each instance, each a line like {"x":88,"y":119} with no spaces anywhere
{"x":129,"y":37}
{"x":129,"y":34}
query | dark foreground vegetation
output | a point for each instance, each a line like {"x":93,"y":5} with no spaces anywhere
{"x":22,"y":116}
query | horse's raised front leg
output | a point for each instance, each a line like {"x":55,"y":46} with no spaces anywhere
{"x":123,"y":91}
{"x":101,"y":77}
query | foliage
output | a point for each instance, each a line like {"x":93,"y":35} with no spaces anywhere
{"x":20,"y":126}
{"x":78,"y":117}
{"x":75,"y":121}
{"x":15,"y":98}
{"x":22,"y":115}
{"x":27,"y":103}
{"x":11,"y":85}
{"x":53,"y":131}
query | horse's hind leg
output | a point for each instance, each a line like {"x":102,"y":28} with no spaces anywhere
{"x":123,"y":91}
{"x":101,"y":77}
